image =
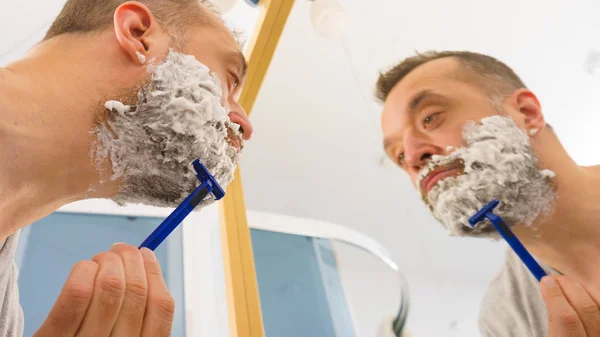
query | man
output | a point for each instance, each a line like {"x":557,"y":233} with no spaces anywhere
{"x":115,"y":103}
{"x":466,"y":130}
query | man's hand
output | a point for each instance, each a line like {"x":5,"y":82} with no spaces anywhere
{"x":573,"y":311}
{"x":119,"y":293}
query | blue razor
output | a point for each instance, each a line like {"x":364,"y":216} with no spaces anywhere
{"x":208,"y":185}
{"x":488,"y":212}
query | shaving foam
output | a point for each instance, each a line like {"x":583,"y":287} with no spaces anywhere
{"x":499,"y":163}
{"x":178,"y":117}
{"x":117,"y":106}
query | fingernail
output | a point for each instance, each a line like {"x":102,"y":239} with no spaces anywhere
{"x":148,"y":254}
{"x":116,"y":244}
{"x":549,"y":282}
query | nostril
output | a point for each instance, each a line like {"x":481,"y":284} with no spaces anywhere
{"x":426,"y":156}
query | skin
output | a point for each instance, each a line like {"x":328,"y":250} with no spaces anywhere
{"x":49,"y":101}
{"x":568,"y":239}
{"x":50,"y":98}
{"x":120,"y":292}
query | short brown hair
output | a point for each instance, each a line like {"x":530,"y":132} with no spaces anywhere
{"x":86,"y":16}
{"x":495,"y":77}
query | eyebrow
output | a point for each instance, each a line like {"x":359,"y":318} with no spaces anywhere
{"x":413,"y":106}
{"x":243,"y":64}
{"x":422,"y":96}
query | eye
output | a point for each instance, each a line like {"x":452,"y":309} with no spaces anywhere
{"x":236,"y":80}
{"x":430,"y":119}
{"x":401,"y":158}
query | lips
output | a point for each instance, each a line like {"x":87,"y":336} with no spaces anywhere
{"x":440,"y":173}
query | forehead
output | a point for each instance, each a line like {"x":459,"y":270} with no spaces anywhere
{"x":213,"y":32}
{"x":444,"y":77}
{"x":433,"y":75}
{"x":210,"y":28}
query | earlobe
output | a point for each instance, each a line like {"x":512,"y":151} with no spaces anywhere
{"x":133,"y":22}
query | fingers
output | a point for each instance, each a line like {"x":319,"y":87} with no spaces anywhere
{"x":594,"y":293}
{"x":119,"y":293}
{"x":583,"y":303}
{"x":160,"y":307}
{"x":133,"y":307}
{"x":109,"y":290}
{"x":563,"y":320}
{"x":72,"y":304}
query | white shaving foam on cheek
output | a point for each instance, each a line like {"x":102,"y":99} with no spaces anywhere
{"x":499,"y":163}
{"x":117,"y":106}
{"x":178,"y":118}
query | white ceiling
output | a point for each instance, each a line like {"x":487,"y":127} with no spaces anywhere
{"x":317,"y":151}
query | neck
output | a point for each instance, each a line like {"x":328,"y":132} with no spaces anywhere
{"x":568,"y":238}
{"x":46,"y":114}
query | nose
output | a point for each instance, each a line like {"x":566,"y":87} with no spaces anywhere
{"x":418,"y":151}
{"x":238,"y":116}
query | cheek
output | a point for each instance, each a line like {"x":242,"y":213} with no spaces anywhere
{"x":519,"y":118}
{"x":226,"y":103}
{"x":455,"y":139}
{"x":455,"y":124}
{"x":450,"y":138}
{"x":225,"y":95}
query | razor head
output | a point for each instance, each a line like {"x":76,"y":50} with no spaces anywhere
{"x":203,"y":175}
{"x":480,"y":215}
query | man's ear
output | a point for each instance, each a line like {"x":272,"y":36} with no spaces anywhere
{"x":529,"y":110}
{"x":136,"y":30}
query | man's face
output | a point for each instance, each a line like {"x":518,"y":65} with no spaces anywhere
{"x":425,"y":113}
{"x":215,"y":46}
{"x":185,"y":109}
{"x":460,"y":151}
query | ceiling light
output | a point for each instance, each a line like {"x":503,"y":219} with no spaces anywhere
{"x":329,"y":18}
{"x":592,"y":62}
